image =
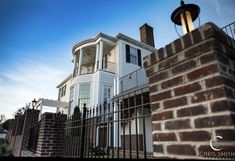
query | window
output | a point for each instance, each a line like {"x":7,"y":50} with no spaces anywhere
{"x":106,"y":95}
{"x":62,"y":91}
{"x":71,"y":93}
{"x":133,"y":55}
{"x":84,"y":95}
{"x":71,"y":108}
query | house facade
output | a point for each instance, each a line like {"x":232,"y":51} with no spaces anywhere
{"x":105,"y":70}
{"x":99,"y":63}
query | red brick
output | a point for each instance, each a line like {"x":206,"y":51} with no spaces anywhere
{"x":162,"y":116}
{"x":156,"y":126}
{"x":154,"y":88}
{"x":172,"y":82}
{"x":168,"y":63}
{"x":187,"y":40}
{"x":229,"y":52}
{"x":161,"y":96}
{"x":208,"y":95}
{"x":214,"y":81}
{"x":195,"y":136}
{"x":161,"y":53}
{"x":175,"y":102}
{"x":187,"y":89}
{"x":192,"y":111}
{"x":229,"y":82}
{"x":196,"y":35}
{"x":169,"y":50}
{"x":153,"y":58}
{"x":213,"y":121}
{"x":208,"y":58}
{"x":149,"y":71}
{"x":183,"y":149}
{"x":202,"y":72}
{"x":177,"y":124}
{"x":227,"y":134}
{"x":178,"y":45}
{"x":155,"y":106}
{"x":165,"y":137}
{"x":223,"y":59}
{"x":212,"y":32}
{"x":212,"y":44}
{"x":158,"y":77}
{"x":183,"y":67}
{"x":158,"y":148}
{"x":222,"y":105}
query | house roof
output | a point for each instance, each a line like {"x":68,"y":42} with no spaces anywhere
{"x":114,"y":39}
{"x":136,"y":42}
{"x":64,"y":81}
{"x":93,"y":40}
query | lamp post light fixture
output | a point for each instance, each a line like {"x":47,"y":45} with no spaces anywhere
{"x":185,"y":15}
{"x":34,"y":103}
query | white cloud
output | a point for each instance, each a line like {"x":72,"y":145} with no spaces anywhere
{"x":25,"y":80}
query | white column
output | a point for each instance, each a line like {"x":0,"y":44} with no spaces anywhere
{"x":118,"y":86}
{"x":114,"y":86}
{"x":101,"y":55}
{"x":74,"y":60}
{"x":80,"y":62}
{"x":117,"y":126}
{"x":97,"y":57}
{"x":74,"y":65}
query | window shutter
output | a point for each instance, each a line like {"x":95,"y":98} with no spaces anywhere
{"x":139,"y":58}
{"x":128,"y":53}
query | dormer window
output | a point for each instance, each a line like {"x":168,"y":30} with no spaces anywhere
{"x":133,"y":55}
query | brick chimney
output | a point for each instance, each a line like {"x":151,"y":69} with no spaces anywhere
{"x":146,"y":35}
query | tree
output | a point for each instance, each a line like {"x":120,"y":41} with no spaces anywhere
{"x":2,"y":118}
{"x":20,"y":111}
{"x":6,"y":124}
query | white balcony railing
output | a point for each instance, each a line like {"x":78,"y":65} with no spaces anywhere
{"x":133,"y":80}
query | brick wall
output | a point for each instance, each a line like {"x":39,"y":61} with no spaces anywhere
{"x":134,"y":142}
{"x":31,"y":121}
{"x":20,"y":126}
{"x":51,"y":135}
{"x":192,"y":93}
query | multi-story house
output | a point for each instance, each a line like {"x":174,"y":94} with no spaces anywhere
{"x":106,"y":69}
{"x":100,"y":62}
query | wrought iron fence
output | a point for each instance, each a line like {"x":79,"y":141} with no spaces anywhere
{"x":33,"y":138}
{"x":230,"y":31}
{"x":119,"y":129}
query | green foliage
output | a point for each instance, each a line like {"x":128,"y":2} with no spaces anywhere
{"x":6,"y":124}
{"x":3,"y":149}
{"x":97,"y":150}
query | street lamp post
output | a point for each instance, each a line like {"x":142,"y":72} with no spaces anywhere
{"x":34,"y":103}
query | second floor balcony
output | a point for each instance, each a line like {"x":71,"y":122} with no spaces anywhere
{"x":94,"y":56}
{"x":89,"y":68}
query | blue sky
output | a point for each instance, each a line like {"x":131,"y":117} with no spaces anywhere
{"x":36,"y":37}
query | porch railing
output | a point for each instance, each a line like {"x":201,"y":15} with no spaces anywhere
{"x":84,"y":69}
{"x":134,"y":79}
{"x":87,"y":68}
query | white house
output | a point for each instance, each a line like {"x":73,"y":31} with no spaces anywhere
{"x":101,"y":65}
